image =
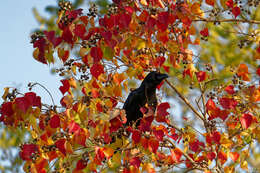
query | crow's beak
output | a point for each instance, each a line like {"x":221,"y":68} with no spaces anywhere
{"x":162,"y":76}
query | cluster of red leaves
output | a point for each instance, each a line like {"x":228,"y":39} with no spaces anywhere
{"x":19,"y":109}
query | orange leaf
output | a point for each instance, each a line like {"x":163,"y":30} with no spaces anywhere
{"x":243,"y":72}
{"x":210,"y":2}
{"x":234,"y":156}
{"x":118,"y":78}
{"x":108,"y":152}
{"x":176,"y":155}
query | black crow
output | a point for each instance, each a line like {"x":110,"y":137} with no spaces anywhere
{"x":146,"y":93}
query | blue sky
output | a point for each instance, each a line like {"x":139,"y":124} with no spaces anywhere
{"x":17,"y":66}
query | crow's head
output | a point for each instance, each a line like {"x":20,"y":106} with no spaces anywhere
{"x":154,"y":78}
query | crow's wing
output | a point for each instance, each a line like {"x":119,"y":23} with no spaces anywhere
{"x":129,"y":100}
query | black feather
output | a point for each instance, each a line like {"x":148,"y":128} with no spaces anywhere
{"x":146,"y":93}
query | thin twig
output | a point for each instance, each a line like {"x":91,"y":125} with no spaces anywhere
{"x":227,"y":20}
{"x":185,"y":100}
{"x":45,"y":90}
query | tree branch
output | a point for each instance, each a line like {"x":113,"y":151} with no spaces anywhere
{"x":185,"y":100}
{"x":227,"y":20}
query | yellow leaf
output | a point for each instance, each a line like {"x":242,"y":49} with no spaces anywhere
{"x":143,"y":2}
{"x":5,"y":93}
{"x":141,"y":44}
{"x":227,"y":143}
{"x":60,"y":16}
{"x":73,"y":69}
{"x":244,"y":165}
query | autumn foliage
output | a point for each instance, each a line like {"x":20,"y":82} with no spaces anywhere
{"x":101,"y":53}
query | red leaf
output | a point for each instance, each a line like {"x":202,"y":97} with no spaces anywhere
{"x":210,"y":105}
{"x":258,"y":71}
{"x":222,"y":156}
{"x":159,"y":134}
{"x":27,"y":150}
{"x":40,"y":44}
{"x":74,"y":13}
{"x":216,"y":136}
{"x":136,"y":136}
{"x":42,"y":124}
{"x":73,"y":127}
{"x":60,"y":144}
{"x":96,"y":53}
{"x":81,"y":164}
{"x":107,"y":35}
{"x":96,"y":70}
{"x":162,"y":112}
{"x":209,"y":139}
{"x":99,"y":155}
{"x":201,"y":75}
{"x":135,"y":162}
{"x":124,"y":20}
{"x":33,"y":99}
{"x":7,"y":109}
{"x":187,"y":72}
{"x":145,"y":124}
{"x":210,"y":2}
{"x":84,"y":19}
{"x":195,"y":146}
{"x":65,"y":87}
{"x":153,"y":145}
{"x":55,"y":121}
{"x":22,"y":103}
{"x":115,"y":124}
{"x":144,"y":143}
{"x":223,"y":114}
{"x":258,"y":49}
{"x":150,"y":23}
{"x":205,"y":32}
{"x":211,"y":155}
{"x":99,"y":107}
{"x":51,"y":38}
{"x":230,"y":3}
{"x":163,"y":21}
{"x":246,"y":120}
{"x":236,"y":11}
{"x":80,"y":30}
{"x":230,"y":89}
{"x":162,"y":109}
{"x":158,"y":62}
{"x":67,"y":35}
{"x":228,"y":103}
